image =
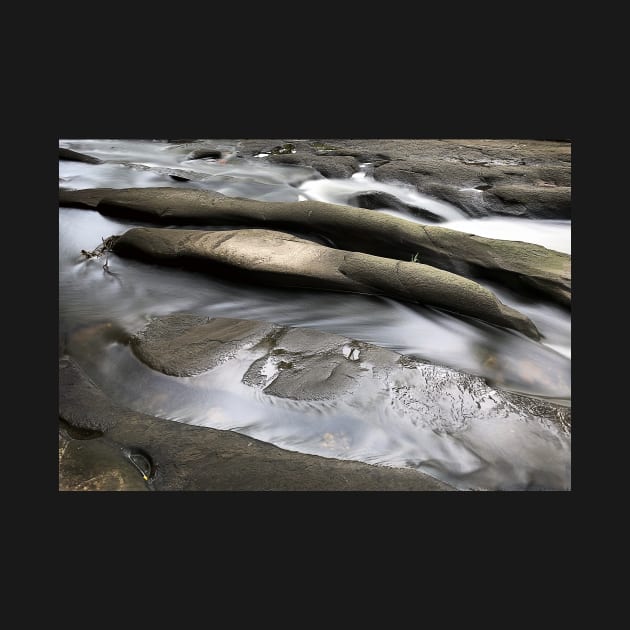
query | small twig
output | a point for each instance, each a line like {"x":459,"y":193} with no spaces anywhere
{"x":104,"y":247}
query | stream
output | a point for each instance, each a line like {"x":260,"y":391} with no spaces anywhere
{"x":97,"y":310}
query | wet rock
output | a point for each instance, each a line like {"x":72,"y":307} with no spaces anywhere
{"x":302,"y":364}
{"x":277,"y":258}
{"x":468,"y":173}
{"x":186,"y":346}
{"x":302,"y":153}
{"x":374,"y":159}
{"x":553,"y":202}
{"x":95,"y":464}
{"x":98,"y":416}
{"x":453,"y":170}
{"x":74,"y":156}
{"x":199,"y":154}
{"x":382,"y":200}
{"x":252,"y":147}
{"x":329,"y":167}
{"x":283,"y":149}
{"x":144,"y":452}
{"x":307,"y":364}
{"x":526,"y":438}
{"x":522,"y":265}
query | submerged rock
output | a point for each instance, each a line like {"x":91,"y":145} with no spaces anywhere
{"x":382,"y":200}
{"x":522,"y":265}
{"x":138,"y":451}
{"x":307,"y":364}
{"x":182,"y":346}
{"x":508,"y":439}
{"x":277,"y":258}
{"x":74,"y":156}
{"x":199,"y":154}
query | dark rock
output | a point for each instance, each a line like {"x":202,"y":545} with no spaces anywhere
{"x":199,"y":154}
{"x":375,"y":159}
{"x":283,"y":149}
{"x":327,"y":371}
{"x":382,"y":200}
{"x":452,"y":169}
{"x":329,"y":167}
{"x":144,"y":452}
{"x":74,"y":156}
{"x":277,"y":258}
{"x":179,"y":178}
{"x":307,"y":364}
{"x":303,"y":153}
{"x":523,"y":265}
{"x":95,"y":464}
{"x":538,"y":174}
{"x":252,"y":147}
{"x":530,"y":201}
{"x":185,"y":346}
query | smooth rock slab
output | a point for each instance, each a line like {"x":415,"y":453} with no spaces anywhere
{"x":538,"y":172}
{"x":176,"y":456}
{"x":285,"y":260}
{"x":356,"y":229}
{"x":383,"y":200}
{"x":182,"y":346}
{"x":336,"y":167}
{"x":75,"y":156}
{"x":471,"y":433}
{"x":94,"y":463}
{"x":307,"y":364}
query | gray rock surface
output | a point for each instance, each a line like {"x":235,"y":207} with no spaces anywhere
{"x":336,"y":167}
{"x":356,"y":229}
{"x":282,"y":259}
{"x":307,"y":364}
{"x":510,"y":441}
{"x":530,"y":178}
{"x":183,"y":346}
{"x":136,"y":451}
{"x":382,"y":200}
{"x":87,"y":461}
{"x":199,"y":154}
{"x":75,"y":156}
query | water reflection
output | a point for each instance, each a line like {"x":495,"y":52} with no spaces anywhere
{"x":425,"y":416}
{"x":98,"y":310}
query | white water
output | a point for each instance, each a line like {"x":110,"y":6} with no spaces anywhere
{"x":93,"y":304}
{"x":551,"y":234}
{"x":340,"y":190}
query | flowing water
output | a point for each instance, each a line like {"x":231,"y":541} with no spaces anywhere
{"x":98,"y":309}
